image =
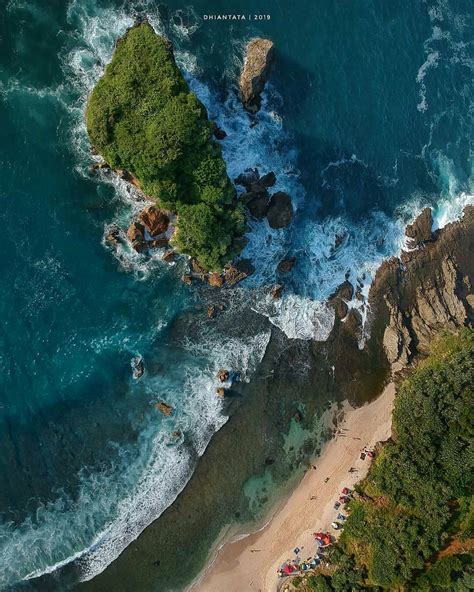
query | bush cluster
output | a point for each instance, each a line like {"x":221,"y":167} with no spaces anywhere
{"x":142,"y":117}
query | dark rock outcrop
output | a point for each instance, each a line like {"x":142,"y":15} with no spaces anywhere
{"x":164,"y":408}
{"x":277,"y":291}
{"x":426,"y":291}
{"x":256,"y":203}
{"x":169,"y":256}
{"x":420,"y":231}
{"x":154,"y":220}
{"x":219,"y":134}
{"x":280,"y":210}
{"x":258,"y":64}
{"x":286,"y":265}
{"x":339,"y":299}
{"x":112,"y":235}
{"x":238,"y":272}
{"x":138,"y":367}
{"x":223,"y":375}
{"x":247,"y":178}
{"x":136,"y":235}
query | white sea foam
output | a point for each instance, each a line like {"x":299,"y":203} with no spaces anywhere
{"x":298,"y":317}
{"x":114,"y":507}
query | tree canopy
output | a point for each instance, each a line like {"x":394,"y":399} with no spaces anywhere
{"x":142,"y":117}
{"x":417,"y":497}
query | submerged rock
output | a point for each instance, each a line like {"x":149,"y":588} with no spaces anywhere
{"x":258,"y":64}
{"x":277,"y":291}
{"x":138,"y":367}
{"x":247,"y":178}
{"x":219,"y":133}
{"x":420,"y":231}
{"x":223,"y":375}
{"x":164,"y":408}
{"x":158,"y":243}
{"x":286,"y":265}
{"x":187,"y":279}
{"x":280,"y":210}
{"x":112,"y":235}
{"x":155,"y":221}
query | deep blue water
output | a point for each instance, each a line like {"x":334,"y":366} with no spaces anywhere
{"x":368,"y":118}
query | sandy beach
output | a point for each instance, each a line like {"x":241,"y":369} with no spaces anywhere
{"x":251,"y":563}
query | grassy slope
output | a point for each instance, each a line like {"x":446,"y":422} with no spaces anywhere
{"x":142,"y":117}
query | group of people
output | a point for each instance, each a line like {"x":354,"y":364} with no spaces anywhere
{"x":323,"y":539}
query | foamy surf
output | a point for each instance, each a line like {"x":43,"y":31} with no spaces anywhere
{"x":113,"y":508}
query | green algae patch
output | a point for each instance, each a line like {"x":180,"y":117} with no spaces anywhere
{"x":142,"y":117}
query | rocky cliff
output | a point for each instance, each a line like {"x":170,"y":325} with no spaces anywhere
{"x":426,"y":290}
{"x":258,"y":64}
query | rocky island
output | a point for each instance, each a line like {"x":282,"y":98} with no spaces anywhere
{"x":142,"y":119}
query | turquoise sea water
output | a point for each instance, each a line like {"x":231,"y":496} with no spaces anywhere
{"x":368,"y":118}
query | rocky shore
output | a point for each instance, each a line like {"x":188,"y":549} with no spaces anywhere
{"x":429,"y":288}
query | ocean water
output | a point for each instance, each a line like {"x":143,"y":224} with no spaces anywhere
{"x":368,"y":118}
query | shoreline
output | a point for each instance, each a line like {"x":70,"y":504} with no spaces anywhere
{"x":251,"y":561}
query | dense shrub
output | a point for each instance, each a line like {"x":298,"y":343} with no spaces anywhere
{"x":142,"y":117}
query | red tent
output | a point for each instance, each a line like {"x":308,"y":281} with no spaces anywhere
{"x":326,"y":539}
{"x":289,"y":569}
{"x":318,"y":535}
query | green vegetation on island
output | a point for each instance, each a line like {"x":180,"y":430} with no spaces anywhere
{"x":142,"y":117}
{"x":411,"y":526}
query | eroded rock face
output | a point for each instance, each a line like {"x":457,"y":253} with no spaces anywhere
{"x":216,"y":280}
{"x":258,"y":64}
{"x":341,"y":296}
{"x":155,"y":221}
{"x":256,"y":203}
{"x":426,"y":290}
{"x":420,"y":231}
{"x":238,"y":272}
{"x":136,"y":235}
{"x":280,"y":210}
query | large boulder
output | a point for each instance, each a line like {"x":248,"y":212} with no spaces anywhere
{"x":136,"y":235}
{"x":216,"y":280}
{"x":280,"y":210}
{"x":286,"y":265}
{"x":258,"y":64}
{"x":247,"y":178}
{"x":164,"y":408}
{"x":155,"y":221}
{"x":420,"y":231}
{"x":257,"y":203}
{"x":339,"y":299}
{"x":237,"y":272}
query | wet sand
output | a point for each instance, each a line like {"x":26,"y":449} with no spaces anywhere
{"x":251,"y":563}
